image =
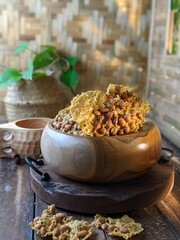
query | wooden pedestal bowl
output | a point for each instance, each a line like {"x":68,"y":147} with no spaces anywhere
{"x":101,"y":160}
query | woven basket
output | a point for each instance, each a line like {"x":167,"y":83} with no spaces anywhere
{"x":39,"y":97}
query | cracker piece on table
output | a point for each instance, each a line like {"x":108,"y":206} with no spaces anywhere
{"x":60,"y":226}
{"x":124,"y":227}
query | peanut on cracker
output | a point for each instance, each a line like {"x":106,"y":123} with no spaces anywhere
{"x":119,"y":111}
{"x":62,"y":227}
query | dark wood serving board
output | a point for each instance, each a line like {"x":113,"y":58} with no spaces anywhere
{"x":104,"y":198}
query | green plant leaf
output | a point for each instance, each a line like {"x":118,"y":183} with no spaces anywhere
{"x":28,"y":74}
{"x":21,"y":48}
{"x":1,"y":79}
{"x":175,"y":5}
{"x":39,"y":74}
{"x":174,"y":48}
{"x":53,"y":48}
{"x":9,"y":76}
{"x":72,"y":60}
{"x":43,"y":59}
{"x":69,"y":78}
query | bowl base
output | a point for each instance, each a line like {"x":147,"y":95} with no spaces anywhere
{"x":104,"y":198}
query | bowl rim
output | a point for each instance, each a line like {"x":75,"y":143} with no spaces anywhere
{"x":19,"y":123}
{"x":144,"y":129}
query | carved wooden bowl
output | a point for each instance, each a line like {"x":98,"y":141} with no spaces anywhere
{"x":101,"y":160}
{"x":22,"y":137}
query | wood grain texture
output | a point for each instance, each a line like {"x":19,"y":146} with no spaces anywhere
{"x":18,"y":207}
{"x":153,"y":223}
{"x":155,"y":227}
{"x":16,"y":201}
{"x":170,"y":207}
{"x":104,"y":198}
{"x":41,"y":205}
{"x":22,"y":137}
{"x":176,"y":159}
{"x":104,"y":159}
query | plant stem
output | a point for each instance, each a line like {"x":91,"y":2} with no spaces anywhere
{"x":73,"y":92}
{"x":19,"y":63}
{"x":56,"y":54}
{"x":31,"y":50}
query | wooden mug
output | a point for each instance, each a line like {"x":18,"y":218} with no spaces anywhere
{"x":22,"y":137}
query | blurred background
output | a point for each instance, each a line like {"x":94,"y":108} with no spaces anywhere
{"x":130,"y":42}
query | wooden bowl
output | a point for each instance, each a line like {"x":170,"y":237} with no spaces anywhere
{"x":22,"y":137}
{"x":101,"y":160}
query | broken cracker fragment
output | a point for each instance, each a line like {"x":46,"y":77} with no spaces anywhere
{"x":63,"y":227}
{"x":124,"y":227}
{"x":81,"y":230}
{"x":60,"y":226}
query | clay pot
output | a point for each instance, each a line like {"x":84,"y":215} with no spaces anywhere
{"x":101,"y":160}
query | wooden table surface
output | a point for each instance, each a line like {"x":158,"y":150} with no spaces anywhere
{"x":19,"y":205}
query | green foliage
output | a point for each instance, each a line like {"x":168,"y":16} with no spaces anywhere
{"x":72,"y":61}
{"x":28,"y":74}
{"x":48,"y":60}
{"x":69,"y":78}
{"x":21,"y":48}
{"x":177,"y":19}
{"x":53,"y":48}
{"x":42,"y":60}
{"x":38,"y":74}
{"x":9,"y":76}
{"x":175,"y":5}
{"x":175,"y":48}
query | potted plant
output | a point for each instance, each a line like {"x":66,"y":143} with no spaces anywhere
{"x":35,"y":91}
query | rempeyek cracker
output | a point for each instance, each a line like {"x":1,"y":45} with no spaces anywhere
{"x":120,"y":227}
{"x":48,"y":223}
{"x":80,"y":229}
{"x":60,"y":226}
{"x":82,"y":107}
{"x":119,"y":111}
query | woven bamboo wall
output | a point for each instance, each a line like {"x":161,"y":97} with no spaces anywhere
{"x":165,"y":78}
{"x":110,"y":37}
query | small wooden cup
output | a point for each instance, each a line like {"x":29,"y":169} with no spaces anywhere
{"x":104,"y":159}
{"x":22,"y":137}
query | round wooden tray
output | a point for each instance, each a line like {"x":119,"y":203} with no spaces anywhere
{"x":104,"y":198}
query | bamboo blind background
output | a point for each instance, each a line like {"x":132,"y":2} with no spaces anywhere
{"x":164,"y":95}
{"x":110,"y":37}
